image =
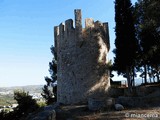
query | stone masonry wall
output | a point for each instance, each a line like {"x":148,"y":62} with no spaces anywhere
{"x":82,"y":59}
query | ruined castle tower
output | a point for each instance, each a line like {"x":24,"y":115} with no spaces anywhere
{"x":82,"y":59}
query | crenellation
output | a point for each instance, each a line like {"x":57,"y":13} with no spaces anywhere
{"x":69,"y":25}
{"x":61,"y":29}
{"x":106,"y":29}
{"x":61,"y":35}
{"x":98,"y":24}
{"x":56,"y":34}
{"x":78,"y":19}
{"x":89,"y":23}
{"x":78,"y":24}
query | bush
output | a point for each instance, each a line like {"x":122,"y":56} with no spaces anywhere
{"x":25,"y":106}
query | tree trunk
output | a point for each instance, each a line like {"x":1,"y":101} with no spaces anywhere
{"x":128,"y":79}
{"x":157,"y":77}
{"x":133,"y":79}
{"x":149,"y":73}
{"x":157,"y":73}
{"x":145,"y":74}
{"x":153,"y":78}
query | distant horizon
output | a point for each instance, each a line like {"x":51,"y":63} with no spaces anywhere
{"x":139,"y":82}
{"x":21,"y":86}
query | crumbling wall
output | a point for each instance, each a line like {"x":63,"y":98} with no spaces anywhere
{"x":82,"y":59}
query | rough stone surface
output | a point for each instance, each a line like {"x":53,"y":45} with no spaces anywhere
{"x":139,"y":101}
{"x":46,"y":113}
{"x":82,"y":59}
{"x":129,"y":101}
{"x":95,"y":104}
{"x":109,"y":103}
{"x":119,"y":107}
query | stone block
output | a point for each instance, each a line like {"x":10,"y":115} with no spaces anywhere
{"x":44,"y":115}
{"x":119,"y":107}
{"x":95,"y":104}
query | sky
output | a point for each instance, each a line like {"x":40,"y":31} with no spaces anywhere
{"x":26,"y":35}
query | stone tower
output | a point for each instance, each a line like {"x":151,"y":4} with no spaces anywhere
{"x":82,"y":59}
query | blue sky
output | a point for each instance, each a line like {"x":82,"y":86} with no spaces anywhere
{"x":26,"y":34}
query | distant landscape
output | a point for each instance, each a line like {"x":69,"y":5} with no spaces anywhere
{"x":7,"y":93}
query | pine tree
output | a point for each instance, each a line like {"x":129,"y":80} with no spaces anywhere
{"x":50,"y":89}
{"x":125,"y":42}
{"x":148,"y":33}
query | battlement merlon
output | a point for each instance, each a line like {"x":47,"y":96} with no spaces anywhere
{"x":56,"y":34}
{"x":78,"y":24}
{"x":61,"y":29}
{"x":106,"y":29}
{"x":89,"y":23}
{"x":68,"y":28}
{"x":78,"y":19}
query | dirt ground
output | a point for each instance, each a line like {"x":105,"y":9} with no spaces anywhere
{"x":81,"y":112}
